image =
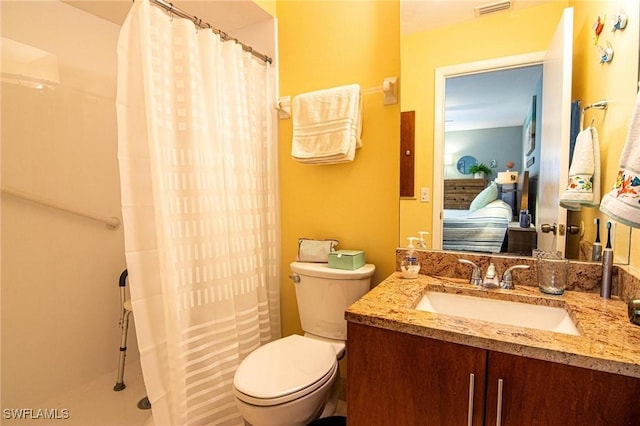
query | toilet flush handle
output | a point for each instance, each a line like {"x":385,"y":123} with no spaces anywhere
{"x":295,"y":278}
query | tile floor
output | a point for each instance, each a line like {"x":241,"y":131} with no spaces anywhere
{"x":97,"y":404}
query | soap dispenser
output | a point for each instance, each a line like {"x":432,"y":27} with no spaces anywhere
{"x":409,"y":266}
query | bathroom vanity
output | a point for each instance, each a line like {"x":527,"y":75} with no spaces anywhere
{"x":410,"y":367}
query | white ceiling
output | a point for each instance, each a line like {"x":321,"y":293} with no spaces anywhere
{"x":493,"y":99}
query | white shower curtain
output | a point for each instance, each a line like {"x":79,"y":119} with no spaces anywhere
{"x":198,"y":168}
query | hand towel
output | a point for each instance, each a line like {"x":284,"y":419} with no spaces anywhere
{"x":583,"y":188}
{"x":327,"y":125}
{"x":622,"y":203}
{"x":575,"y":127}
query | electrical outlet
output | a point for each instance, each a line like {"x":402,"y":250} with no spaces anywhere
{"x":425,"y":195}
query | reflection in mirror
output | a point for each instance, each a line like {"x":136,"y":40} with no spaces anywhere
{"x":491,"y":115}
{"x":464,"y":163}
{"x":470,"y":41}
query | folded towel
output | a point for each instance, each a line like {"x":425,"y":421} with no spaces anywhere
{"x":623,"y":202}
{"x":327,"y":125}
{"x":583,"y":188}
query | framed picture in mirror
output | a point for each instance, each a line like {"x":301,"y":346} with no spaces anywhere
{"x":530,"y":128}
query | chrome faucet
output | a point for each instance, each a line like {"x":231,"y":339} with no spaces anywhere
{"x":507,"y":280}
{"x":491,"y":277}
{"x":476,"y":278}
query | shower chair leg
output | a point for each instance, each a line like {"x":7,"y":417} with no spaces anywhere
{"x":125,"y":313}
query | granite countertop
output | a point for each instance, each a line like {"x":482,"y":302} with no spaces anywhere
{"x":607,"y":341}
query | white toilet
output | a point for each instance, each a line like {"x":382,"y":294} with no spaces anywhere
{"x":295,"y":380}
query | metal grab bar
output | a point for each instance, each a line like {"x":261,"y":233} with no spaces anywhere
{"x":111,"y":222}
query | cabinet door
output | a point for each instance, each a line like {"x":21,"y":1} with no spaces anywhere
{"x":401,"y":379}
{"x":541,"y":393}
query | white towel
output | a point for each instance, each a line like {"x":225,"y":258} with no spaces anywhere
{"x":327,"y":125}
{"x":623,"y":202}
{"x":583,"y":188}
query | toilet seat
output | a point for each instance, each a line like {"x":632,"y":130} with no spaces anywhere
{"x":296,"y":366}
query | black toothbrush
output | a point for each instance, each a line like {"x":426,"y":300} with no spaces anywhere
{"x":608,"y":247}
{"x":596,"y":253}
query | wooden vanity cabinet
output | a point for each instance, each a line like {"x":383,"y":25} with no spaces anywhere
{"x":401,"y":379}
{"x":536,"y":392}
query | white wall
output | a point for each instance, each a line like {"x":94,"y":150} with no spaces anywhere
{"x":60,"y":298}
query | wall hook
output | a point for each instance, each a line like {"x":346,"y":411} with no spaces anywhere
{"x":619,"y":21}
{"x":606,"y":53}
{"x":597,"y":28}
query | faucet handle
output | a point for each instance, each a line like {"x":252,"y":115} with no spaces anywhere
{"x":476,"y":276}
{"x":491,"y":271}
{"x":507,"y":279}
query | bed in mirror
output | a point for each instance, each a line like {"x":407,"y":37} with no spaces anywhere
{"x":486,"y":224}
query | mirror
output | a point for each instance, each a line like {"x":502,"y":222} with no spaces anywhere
{"x":442,"y":45}
{"x":464,"y":163}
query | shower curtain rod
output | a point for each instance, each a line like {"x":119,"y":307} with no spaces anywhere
{"x":171,"y":9}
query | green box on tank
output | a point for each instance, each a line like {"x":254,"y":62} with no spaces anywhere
{"x":346,"y":259}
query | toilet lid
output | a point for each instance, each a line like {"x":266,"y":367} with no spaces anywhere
{"x":284,"y":367}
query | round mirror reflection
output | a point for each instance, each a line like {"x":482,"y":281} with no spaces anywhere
{"x":464,"y":163}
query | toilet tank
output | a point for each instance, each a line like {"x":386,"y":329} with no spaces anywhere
{"x":324,"y":293}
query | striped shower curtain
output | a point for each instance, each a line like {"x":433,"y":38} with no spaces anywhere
{"x":198,"y":169}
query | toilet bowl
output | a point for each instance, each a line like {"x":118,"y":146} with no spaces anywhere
{"x":290,"y":381}
{"x":295,"y":380}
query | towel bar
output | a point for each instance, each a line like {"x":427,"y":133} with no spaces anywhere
{"x":283,"y":105}
{"x":389,"y":88}
{"x":603,"y":104}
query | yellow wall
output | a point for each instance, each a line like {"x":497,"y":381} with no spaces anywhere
{"x":617,"y":81}
{"x":503,"y":34}
{"x":324,"y":44}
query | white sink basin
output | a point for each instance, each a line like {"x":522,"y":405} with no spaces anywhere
{"x":499,"y":311}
